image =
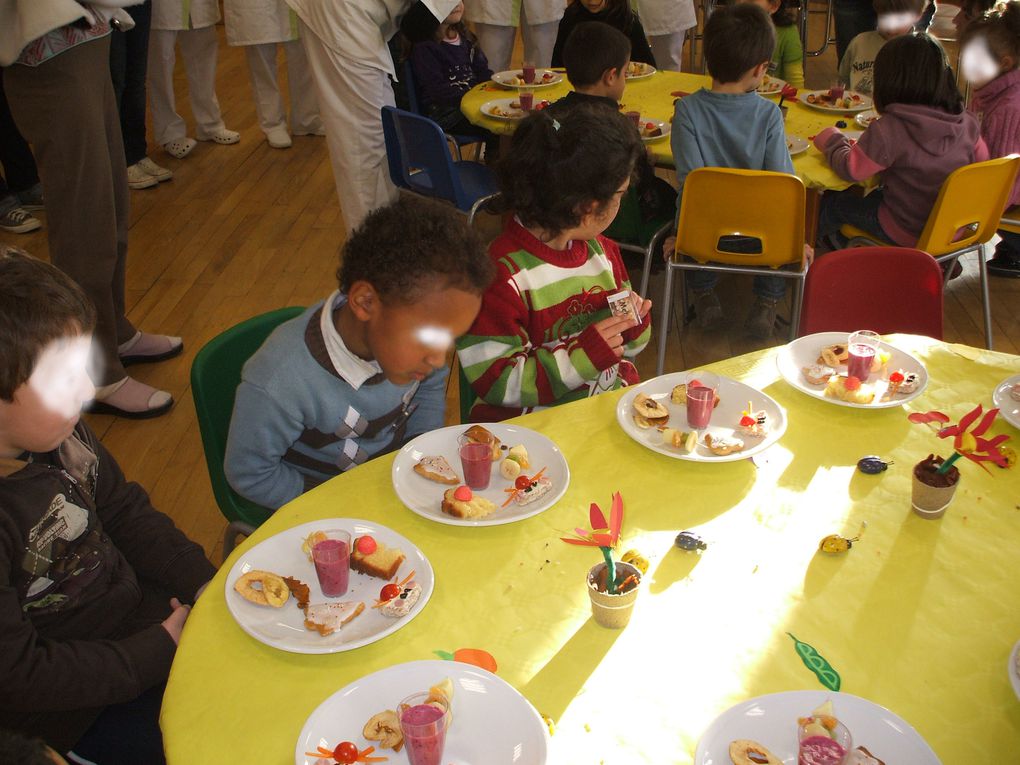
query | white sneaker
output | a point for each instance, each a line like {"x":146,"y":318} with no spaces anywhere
{"x":279,"y":138}
{"x":161,"y":174}
{"x":18,"y":221}
{"x":222,"y":136}
{"x":138,"y":178}
{"x":180,"y":148}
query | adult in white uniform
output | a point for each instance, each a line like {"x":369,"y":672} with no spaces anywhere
{"x":666,"y":23}
{"x":345,"y":41}
{"x":496,"y":21}
{"x":193,"y":24}
{"x":260,"y":26}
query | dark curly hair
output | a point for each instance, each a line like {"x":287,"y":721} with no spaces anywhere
{"x":555,"y":170}
{"x":414,"y":246}
{"x":39,"y":303}
{"x":1001,"y":26}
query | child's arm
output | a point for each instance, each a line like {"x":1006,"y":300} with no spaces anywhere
{"x":635,"y":338}
{"x":777,"y":155}
{"x":566,"y":26}
{"x":687,"y":156}
{"x":506,"y":369}
{"x":261,"y":432}
{"x":854,"y":161}
{"x":793,"y":72}
{"x":430,"y":77}
{"x":431,"y":401}
{"x":480,"y":64}
{"x":793,"y":59}
{"x":640,"y":50}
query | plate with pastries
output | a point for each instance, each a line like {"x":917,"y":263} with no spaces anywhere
{"x":743,"y":421}
{"x":544,"y":78}
{"x":273,"y":590}
{"x":817,"y":365}
{"x":527,"y":475}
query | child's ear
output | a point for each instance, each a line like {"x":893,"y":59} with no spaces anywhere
{"x":761,"y":69}
{"x":1007,"y":64}
{"x":363,"y":300}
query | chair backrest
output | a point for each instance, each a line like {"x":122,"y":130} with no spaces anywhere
{"x":969,"y":206}
{"x":411,"y":87}
{"x":215,"y":375}
{"x":885,"y":289}
{"x":747,"y":205}
{"x":419,"y":147}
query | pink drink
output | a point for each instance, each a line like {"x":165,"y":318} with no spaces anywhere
{"x":476,"y":460}
{"x":820,"y":750}
{"x":424,"y":729}
{"x":859,"y":361}
{"x":527,"y":101}
{"x":528,"y":73}
{"x":634,"y":117}
{"x":332,"y":559}
{"x":837,"y":91}
{"x":700,"y":402}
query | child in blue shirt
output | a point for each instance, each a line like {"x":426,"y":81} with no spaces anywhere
{"x":358,"y":374}
{"x":730,"y":125}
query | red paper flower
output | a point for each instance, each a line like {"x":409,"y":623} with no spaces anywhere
{"x":788,"y":91}
{"x":968,"y":442}
{"x":602,"y":534}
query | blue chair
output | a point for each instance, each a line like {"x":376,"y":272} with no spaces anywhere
{"x":419,"y":161}
{"x":411,"y":88}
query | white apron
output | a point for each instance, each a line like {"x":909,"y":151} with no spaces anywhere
{"x":184,"y":14}
{"x":663,"y":17}
{"x":507,"y":13}
{"x":254,"y":22}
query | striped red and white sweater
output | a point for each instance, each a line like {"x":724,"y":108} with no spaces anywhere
{"x":533,"y":344}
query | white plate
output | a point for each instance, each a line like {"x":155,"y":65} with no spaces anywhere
{"x":284,"y":627}
{"x":796,"y":145}
{"x":424,"y":497}
{"x":804,"y":351}
{"x":733,"y":398}
{"x":505,"y":79}
{"x":859,"y":106}
{"x":663,"y":126}
{"x":772,"y":721}
{"x":866,"y":118}
{"x":499,"y":109}
{"x":492,"y":724}
{"x":771,"y":86}
{"x":1008,"y":406}
{"x":1014,"y":669}
{"x":641,"y":70}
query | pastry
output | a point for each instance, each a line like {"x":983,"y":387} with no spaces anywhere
{"x":537,"y":487}
{"x":754,"y":424}
{"x":403,"y":603}
{"x":650,"y":130}
{"x":384,"y":728}
{"x":678,"y":439}
{"x":382,"y":562}
{"x":679,"y":395}
{"x":310,"y":541}
{"x":327,"y":618}
{"x":861,"y":756}
{"x":818,"y":374}
{"x":650,"y":411}
{"x":271,"y":590}
{"x":436,"y":469}
{"x":476,"y":434}
{"x":1014,"y":392}
{"x":299,"y":590}
{"x":723,"y":445}
{"x":849,"y":389}
{"x":742,"y":749}
{"x":834,"y":355}
{"x":910,"y":381}
{"x":463,"y":503}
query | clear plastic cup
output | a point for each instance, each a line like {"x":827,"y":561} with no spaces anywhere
{"x":332,"y":559}
{"x":861,"y":348}
{"x":701,"y":388}
{"x":424,"y":727}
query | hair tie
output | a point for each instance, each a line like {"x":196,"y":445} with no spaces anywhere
{"x":556,"y":125}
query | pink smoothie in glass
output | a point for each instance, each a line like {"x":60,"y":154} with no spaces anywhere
{"x":837,"y":91}
{"x":476,"y":460}
{"x":820,"y":750}
{"x":424,"y":734}
{"x":527,"y":101}
{"x":332,"y":559}
{"x":700,"y":402}
{"x":528,"y":73}
{"x":859,"y":361}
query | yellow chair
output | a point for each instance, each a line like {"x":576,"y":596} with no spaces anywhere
{"x":965,"y":217}
{"x":1011,"y":220}
{"x":753,"y":204}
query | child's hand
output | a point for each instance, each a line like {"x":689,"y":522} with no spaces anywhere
{"x":174,"y":624}
{"x":669,"y":248}
{"x":611,"y":330}
{"x":809,"y":254}
{"x":641,"y":306}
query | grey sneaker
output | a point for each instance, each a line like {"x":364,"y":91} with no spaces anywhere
{"x":158,"y":172}
{"x":17,"y":220}
{"x":139,"y":179}
{"x":762,"y":318}
{"x":31,"y":199}
{"x":707,"y":311}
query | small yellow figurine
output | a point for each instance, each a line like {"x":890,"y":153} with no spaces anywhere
{"x":836,"y":544}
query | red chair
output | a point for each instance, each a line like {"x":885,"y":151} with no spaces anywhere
{"x":885,"y":289}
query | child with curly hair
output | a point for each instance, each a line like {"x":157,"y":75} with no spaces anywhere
{"x":547,"y":332}
{"x":358,"y":374}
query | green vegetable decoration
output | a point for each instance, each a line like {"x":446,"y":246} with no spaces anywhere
{"x":814,"y":661}
{"x":604,"y":535}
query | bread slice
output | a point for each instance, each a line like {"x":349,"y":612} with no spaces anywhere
{"x":437,"y":469}
{"x":479,"y":435}
{"x":327,"y":618}
{"x":476,"y":507}
{"x":383,"y":562}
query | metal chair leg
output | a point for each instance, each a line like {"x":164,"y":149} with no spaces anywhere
{"x":667,"y":302}
{"x":235,"y":529}
{"x":797,"y":299}
{"x":479,"y":203}
{"x":985,"y":297}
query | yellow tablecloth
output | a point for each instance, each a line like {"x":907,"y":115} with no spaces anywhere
{"x":653,"y":98}
{"x":919,"y":616}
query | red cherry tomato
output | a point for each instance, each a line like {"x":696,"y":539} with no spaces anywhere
{"x":389,"y":592}
{"x":522,"y":482}
{"x":345,"y":752}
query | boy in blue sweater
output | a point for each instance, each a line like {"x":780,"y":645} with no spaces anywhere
{"x":357,"y":375}
{"x":732,"y":126}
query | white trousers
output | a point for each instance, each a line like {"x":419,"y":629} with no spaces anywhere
{"x":668,"y":50}
{"x":198,"y":50}
{"x":497,"y":42}
{"x":304,"y":106}
{"x":351,"y":96}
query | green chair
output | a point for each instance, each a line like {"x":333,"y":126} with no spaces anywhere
{"x":215,"y":375}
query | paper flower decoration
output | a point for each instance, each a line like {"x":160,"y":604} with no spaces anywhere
{"x":967,"y":441}
{"x":603,"y":535}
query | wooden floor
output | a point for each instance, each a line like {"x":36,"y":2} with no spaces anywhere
{"x":244,"y":229}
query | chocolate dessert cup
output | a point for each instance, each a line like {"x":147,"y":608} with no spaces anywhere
{"x":612,"y":610}
{"x":932,"y":491}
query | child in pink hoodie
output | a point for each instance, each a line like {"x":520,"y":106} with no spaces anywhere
{"x":991,"y":63}
{"x":924,"y":134}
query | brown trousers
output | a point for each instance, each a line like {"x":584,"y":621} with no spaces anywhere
{"x":65,"y":108}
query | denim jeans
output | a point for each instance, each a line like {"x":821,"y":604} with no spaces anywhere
{"x":129,"y":56}
{"x":125,"y":734}
{"x":846,"y":207}
{"x":767,"y":287}
{"x":852,"y":18}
